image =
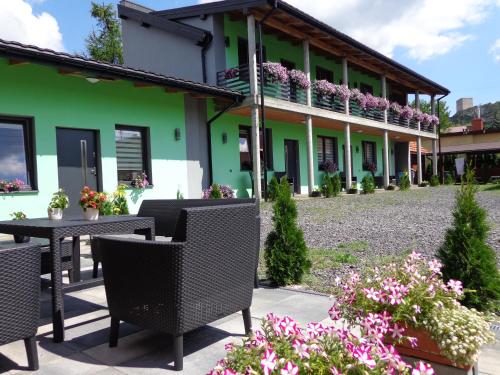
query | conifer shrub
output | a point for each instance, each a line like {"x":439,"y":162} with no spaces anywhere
{"x":465,"y":254}
{"x":449,"y":180}
{"x":337,"y":184}
{"x":434,"y":180}
{"x":216,"y":192}
{"x":327,"y":186}
{"x":286,"y":253}
{"x":404,"y":182}
{"x":368,"y":184}
{"x":273,"y":188}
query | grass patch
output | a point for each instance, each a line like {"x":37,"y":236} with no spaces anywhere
{"x":491,"y":187}
{"x":323,"y":259}
{"x":354,"y":246}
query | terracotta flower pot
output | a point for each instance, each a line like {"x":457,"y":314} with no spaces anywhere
{"x":427,"y":348}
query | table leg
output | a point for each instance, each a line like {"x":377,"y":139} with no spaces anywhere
{"x":57,"y":293}
{"x":76,"y":259}
{"x":150,"y":234}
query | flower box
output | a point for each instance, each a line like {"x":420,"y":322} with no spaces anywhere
{"x":426,"y":348}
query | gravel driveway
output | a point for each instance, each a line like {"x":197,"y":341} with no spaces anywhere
{"x":384,"y":224}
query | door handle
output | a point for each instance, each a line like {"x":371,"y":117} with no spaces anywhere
{"x":83,"y":157}
{"x":93,"y":171}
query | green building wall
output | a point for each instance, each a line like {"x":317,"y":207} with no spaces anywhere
{"x":226,"y":160}
{"x":56,"y":100}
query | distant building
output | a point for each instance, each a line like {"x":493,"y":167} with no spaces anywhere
{"x":464,"y":103}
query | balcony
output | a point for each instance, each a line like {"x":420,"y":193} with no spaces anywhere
{"x":239,"y":79}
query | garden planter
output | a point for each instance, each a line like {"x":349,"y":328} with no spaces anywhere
{"x":427,"y":349}
{"x":21,"y":239}
{"x":91,"y":214}
{"x":55,"y":213}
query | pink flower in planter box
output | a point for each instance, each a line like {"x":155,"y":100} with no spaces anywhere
{"x":290,"y":369}
{"x":268,"y":362}
{"x":423,"y":369}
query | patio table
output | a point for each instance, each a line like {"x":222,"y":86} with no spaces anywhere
{"x":56,"y":231}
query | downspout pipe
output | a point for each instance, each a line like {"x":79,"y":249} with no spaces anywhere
{"x":262,"y":103}
{"x":209,"y":136}
{"x":439,"y":141}
{"x":204,"y":46}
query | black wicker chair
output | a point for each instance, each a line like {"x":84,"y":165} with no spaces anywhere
{"x":20,"y":298}
{"x":204,"y":274}
{"x":166,"y":213}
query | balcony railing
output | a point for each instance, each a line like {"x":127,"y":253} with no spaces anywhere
{"x":239,"y":79}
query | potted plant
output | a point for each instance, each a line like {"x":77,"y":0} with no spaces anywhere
{"x":91,"y":202}
{"x":424,"y":317}
{"x":19,"y":215}
{"x":140,"y":181}
{"x":59,"y":202}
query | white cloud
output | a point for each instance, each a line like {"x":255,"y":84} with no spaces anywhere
{"x":424,"y":28}
{"x":495,"y":50}
{"x":19,"y":23}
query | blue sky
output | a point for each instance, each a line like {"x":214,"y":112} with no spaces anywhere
{"x":461,"y":56}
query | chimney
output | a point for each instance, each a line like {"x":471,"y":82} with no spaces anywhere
{"x":477,"y":125}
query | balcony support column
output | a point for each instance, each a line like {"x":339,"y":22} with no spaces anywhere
{"x":309,"y":130}
{"x":434,"y":141}
{"x":254,"y":87}
{"x":347,"y":156}
{"x":386,"y":138}
{"x":419,"y":143}
{"x":409,"y":163}
{"x":345,"y":81}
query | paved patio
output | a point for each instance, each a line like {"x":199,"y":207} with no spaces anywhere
{"x":86,"y":350}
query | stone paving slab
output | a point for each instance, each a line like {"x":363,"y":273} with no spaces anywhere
{"x":86,"y":349}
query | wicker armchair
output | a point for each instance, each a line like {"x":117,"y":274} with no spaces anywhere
{"x":20,"y":298}
{"x":204,"y":274}
{"x":166,"y":213}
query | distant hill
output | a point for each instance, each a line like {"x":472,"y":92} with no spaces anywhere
{"x":489,"y":112}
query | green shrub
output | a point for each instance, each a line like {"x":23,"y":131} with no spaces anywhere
{"x":404,"y":182}
{"x":327,"y":186}
{"x":216,"y":192}
{"x":368,"y":184}
{"x":273,"y":189}
{"x":465,"y":254}
{"x":106,"y":208}
{"x":337,"y":184}
{"x":286,"y":252}
{"x":449,"y":180}
{"x":434,"y":180}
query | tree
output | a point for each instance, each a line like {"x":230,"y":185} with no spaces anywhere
{"x":105,"y":44}
{"x":444,"y":112}
{"x":465,"y":254}
{"x":286,"y":251}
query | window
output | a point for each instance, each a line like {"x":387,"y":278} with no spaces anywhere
{"x":327,"y":150}
{"x":245,"y":145}
{"x":369,"y":154}
{"x":287,"y":64}
{"x":322,"y":73}
{"x":243,"y":52}
{"x":364,"y":88}
{"x":17,"y":151}
{"x":132,"y":153}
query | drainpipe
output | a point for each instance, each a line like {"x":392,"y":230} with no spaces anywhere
{"x":209,"y":137}
{"x":439,"y":141}
{"x":262,"y":106}
{"x":204,"y":46}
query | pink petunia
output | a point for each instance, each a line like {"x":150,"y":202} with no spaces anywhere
{"x":268,"y":361}
{"x":435,"y":266}
{"x":301,"y":348}
{"x":397,"y":331}
{"x":423,"y":369}
{"x":363,"y":356}
{"x":315,"y":330}
{"x":455,"y":286}
{"x":334,"y":371}
{"x":334,"y":313}
{"x":290,"y":368}
{"x":288,"y":326}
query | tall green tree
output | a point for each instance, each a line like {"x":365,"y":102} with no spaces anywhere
{"x":465,"y":254}
{"x":105,"y":43}
{"x":444,"y":112}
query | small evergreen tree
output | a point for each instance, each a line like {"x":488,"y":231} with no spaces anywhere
{"x":273,"y":189}
{"x":449,"y":180}
{"x":286,"y":252}
{"x":404,"y":182}
{"x":368,"y":184}
{"x":327,"y":186}
{"x":105,"y":44}
{"x":434,"y":180}
{"x":465,"y":254}
{"x":337,"y":184}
